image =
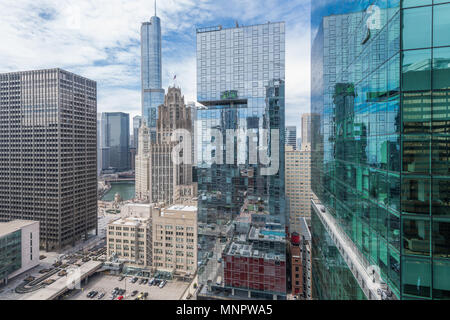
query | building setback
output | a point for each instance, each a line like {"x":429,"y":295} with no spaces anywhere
{"x":48,"y":157}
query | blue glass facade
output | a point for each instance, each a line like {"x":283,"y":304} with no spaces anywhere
{"x":380,"y":164}
{"x":240,"y":82}
{"x":151,"y":72}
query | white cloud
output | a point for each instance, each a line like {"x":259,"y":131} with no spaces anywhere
{"x":100,"y":40}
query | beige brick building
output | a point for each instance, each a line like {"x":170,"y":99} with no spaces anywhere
{"x":175,"y":239}
{"x":130,"y":239}
{"x":298,"y":184}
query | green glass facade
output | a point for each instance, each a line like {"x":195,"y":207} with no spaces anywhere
{"x":380,"y":163}
{"x":332,"y":279}
{"x":10,"y":253}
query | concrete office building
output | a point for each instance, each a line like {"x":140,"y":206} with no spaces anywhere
{"x":48,"y":153}
{"x":19,"y":248}
{"x":99,"y":143}
{"x":298,"y":185}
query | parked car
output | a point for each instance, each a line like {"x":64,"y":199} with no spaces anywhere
{"x":134,"y":280}
{"x":163,"y":283}
{"x":135,"y":292}
{"x":150,"y":283}
{"x":101,"y":296}
{"x":145,"y":281}
{"x":121,"y":278}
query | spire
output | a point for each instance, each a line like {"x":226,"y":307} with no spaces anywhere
{"x":155,"y":8}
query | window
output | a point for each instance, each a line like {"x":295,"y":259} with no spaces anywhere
{"x":416,"y":236}
{"x":441,"y":25}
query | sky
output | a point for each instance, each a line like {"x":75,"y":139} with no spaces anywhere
{"x":100,"y":40}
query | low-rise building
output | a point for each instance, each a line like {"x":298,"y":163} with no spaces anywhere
{"x":300,"y":258}
{"x":19,"y":248}
{"x":175,"y":239}
{"x":130,"y":240}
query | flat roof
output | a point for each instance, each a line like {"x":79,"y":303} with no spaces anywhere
{"x":47,"y":70}
{"x":129,"y":221}
{"x":179,"y":207}
{"x":220,"y":27}
{"x":14,"y":225}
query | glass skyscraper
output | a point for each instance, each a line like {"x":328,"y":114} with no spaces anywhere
{"x":151,"y":70}
{"x":380,"y":152}
{"x":241,"y":208}
{"x":291,"y":136}
{"x":115,"y":141}
{"x":137,"y":120}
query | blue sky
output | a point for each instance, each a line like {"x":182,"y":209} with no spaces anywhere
{"x":100,"y":40}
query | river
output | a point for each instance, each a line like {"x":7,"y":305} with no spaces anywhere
{"x":124,"y":188}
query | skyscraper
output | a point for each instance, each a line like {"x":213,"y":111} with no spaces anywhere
{"x":137,"y":121}
{"x":381,"y":172}
{"x":291,"y":136}
{"x":298,"y":185}
{"x":151,"y":72}
{"x":242,"y":216}
{"x":99,"y":143}
{"x":307,"y":120}
{"x":116,"y":141}
{"x":157,"y":176}
{"x":48,"y":153}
